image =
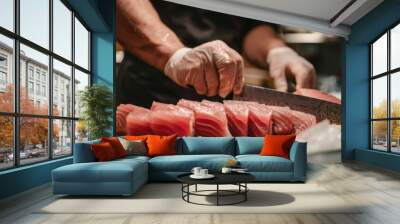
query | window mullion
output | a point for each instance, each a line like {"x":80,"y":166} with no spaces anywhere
{"x":73,"y":82}
{"x":50,"y":81}
{"x":16,"y":84}
{"x":389,"y":101}
{"x":371,"y":137}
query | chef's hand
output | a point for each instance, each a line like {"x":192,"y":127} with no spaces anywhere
{"x":212,"y":69}
{"x":284,"y":61}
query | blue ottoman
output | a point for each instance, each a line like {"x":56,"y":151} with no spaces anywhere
{"x":118,"y":177}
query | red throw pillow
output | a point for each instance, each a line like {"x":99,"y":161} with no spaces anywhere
{"x":277,"y":145}
{"x":103,"y":152}
{"x":116,"y":145}
{"x":161,"y":145}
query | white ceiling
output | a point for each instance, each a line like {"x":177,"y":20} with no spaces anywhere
{"x":325,"y":16}
{"x":319,"y":9}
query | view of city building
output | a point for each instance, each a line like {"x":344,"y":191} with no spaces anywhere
{"x":34,"y":100}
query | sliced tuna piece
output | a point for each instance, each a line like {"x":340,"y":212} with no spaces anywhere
{"x":122,"y":112}
{"x":209,"y":121}
{"x":138,"y":121}
{"x":260,"y":119}
{"x":219,"y":110}
{"x":282,"y":123}
{"x":237,"y":114}
{"x":302,"y":121}
{"x":168,"y":119}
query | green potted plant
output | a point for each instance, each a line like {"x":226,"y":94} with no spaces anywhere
{"x":96,"y":103}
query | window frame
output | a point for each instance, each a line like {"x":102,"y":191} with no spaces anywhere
{"x":16,"y":115}
{"x":388,"y":74}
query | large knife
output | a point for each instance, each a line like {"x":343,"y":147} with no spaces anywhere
{"x":320,"y":108}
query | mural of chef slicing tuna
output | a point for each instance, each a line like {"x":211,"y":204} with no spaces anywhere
{"x":193,"y":72}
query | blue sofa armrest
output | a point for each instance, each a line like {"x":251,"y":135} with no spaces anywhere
{"x":83,"y":152}
{"x":298,"y":155}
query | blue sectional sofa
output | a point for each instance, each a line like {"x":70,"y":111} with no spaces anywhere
{"x":125,"y":176}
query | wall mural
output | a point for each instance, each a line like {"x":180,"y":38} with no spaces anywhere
{"x":194,"y":72}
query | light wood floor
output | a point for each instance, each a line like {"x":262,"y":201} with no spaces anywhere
{"x":351,"y":181}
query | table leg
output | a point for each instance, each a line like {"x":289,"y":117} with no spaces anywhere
{"x":188,"y":189}
{"x":217,"y":194}
{"x":245,"y":193}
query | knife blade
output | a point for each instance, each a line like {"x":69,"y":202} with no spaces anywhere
{"x":320,"y":108}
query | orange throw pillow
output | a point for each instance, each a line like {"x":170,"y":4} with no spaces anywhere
{"x":103,"y":152}
{"x":161,"y":145}
{"x":277,"y":145}
{"x":116,"y":145}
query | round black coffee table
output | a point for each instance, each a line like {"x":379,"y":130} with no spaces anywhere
{"x":238,"y":179}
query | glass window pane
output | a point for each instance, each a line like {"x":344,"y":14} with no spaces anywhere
{"x":62,"y":89}
{"x":379,"y":55}
{"x":395,"y":47}
{"x":81,"y":45}
{"x":81,"y":81}
{"x":34,"y":96}
{"x":33,"y":139}
{"x":379,"y":97}
{"x":34,"y":21}
{"x":7,"y":14}
{"x":6,"y":142}
{"x":379,"y":135}
{"x":81,"y":131}
{"x":6,"y":74}
{"x":62,"y":29}
{"x":62,"y":138}
{"x":395,"y":136}
{"x":395,"y":94}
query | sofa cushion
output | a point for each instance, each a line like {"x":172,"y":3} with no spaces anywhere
{"x":207,"y":145}
{"x":257,"y":163}
{"x":83,"y":152}
{"x":116,"y":145}
{"x":112,"y":171}
{"x":249,"y":145}
{"x":161,"y":145}
{"x":134,"y":147}
{"x":103,"y":152}
{"x":277,"y":145}
{"x":185,"y":163}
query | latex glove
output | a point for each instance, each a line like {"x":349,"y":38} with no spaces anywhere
{"x":212,"y":69}
{"x":284,"y":60}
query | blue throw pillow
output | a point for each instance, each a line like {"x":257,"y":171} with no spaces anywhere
{"x":207,"y":145}
{"x":249,"y":145}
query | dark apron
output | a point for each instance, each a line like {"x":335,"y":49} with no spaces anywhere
{"x":140,"y":84}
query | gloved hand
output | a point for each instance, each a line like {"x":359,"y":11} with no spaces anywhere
{"x":283,"y":59}
{"x":212,"y":69}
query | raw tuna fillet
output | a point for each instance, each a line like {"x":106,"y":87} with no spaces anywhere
{"x":168,"y":119}
{"x":209,"y":121}
{"x":282,"y":123}
{"x":302,"y":121}
{"x":122,"y":112}
{"x":138,"y":121}
{"x":260,"y":121}
{"x":237,"y":114}
{"x":313,"y":93}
